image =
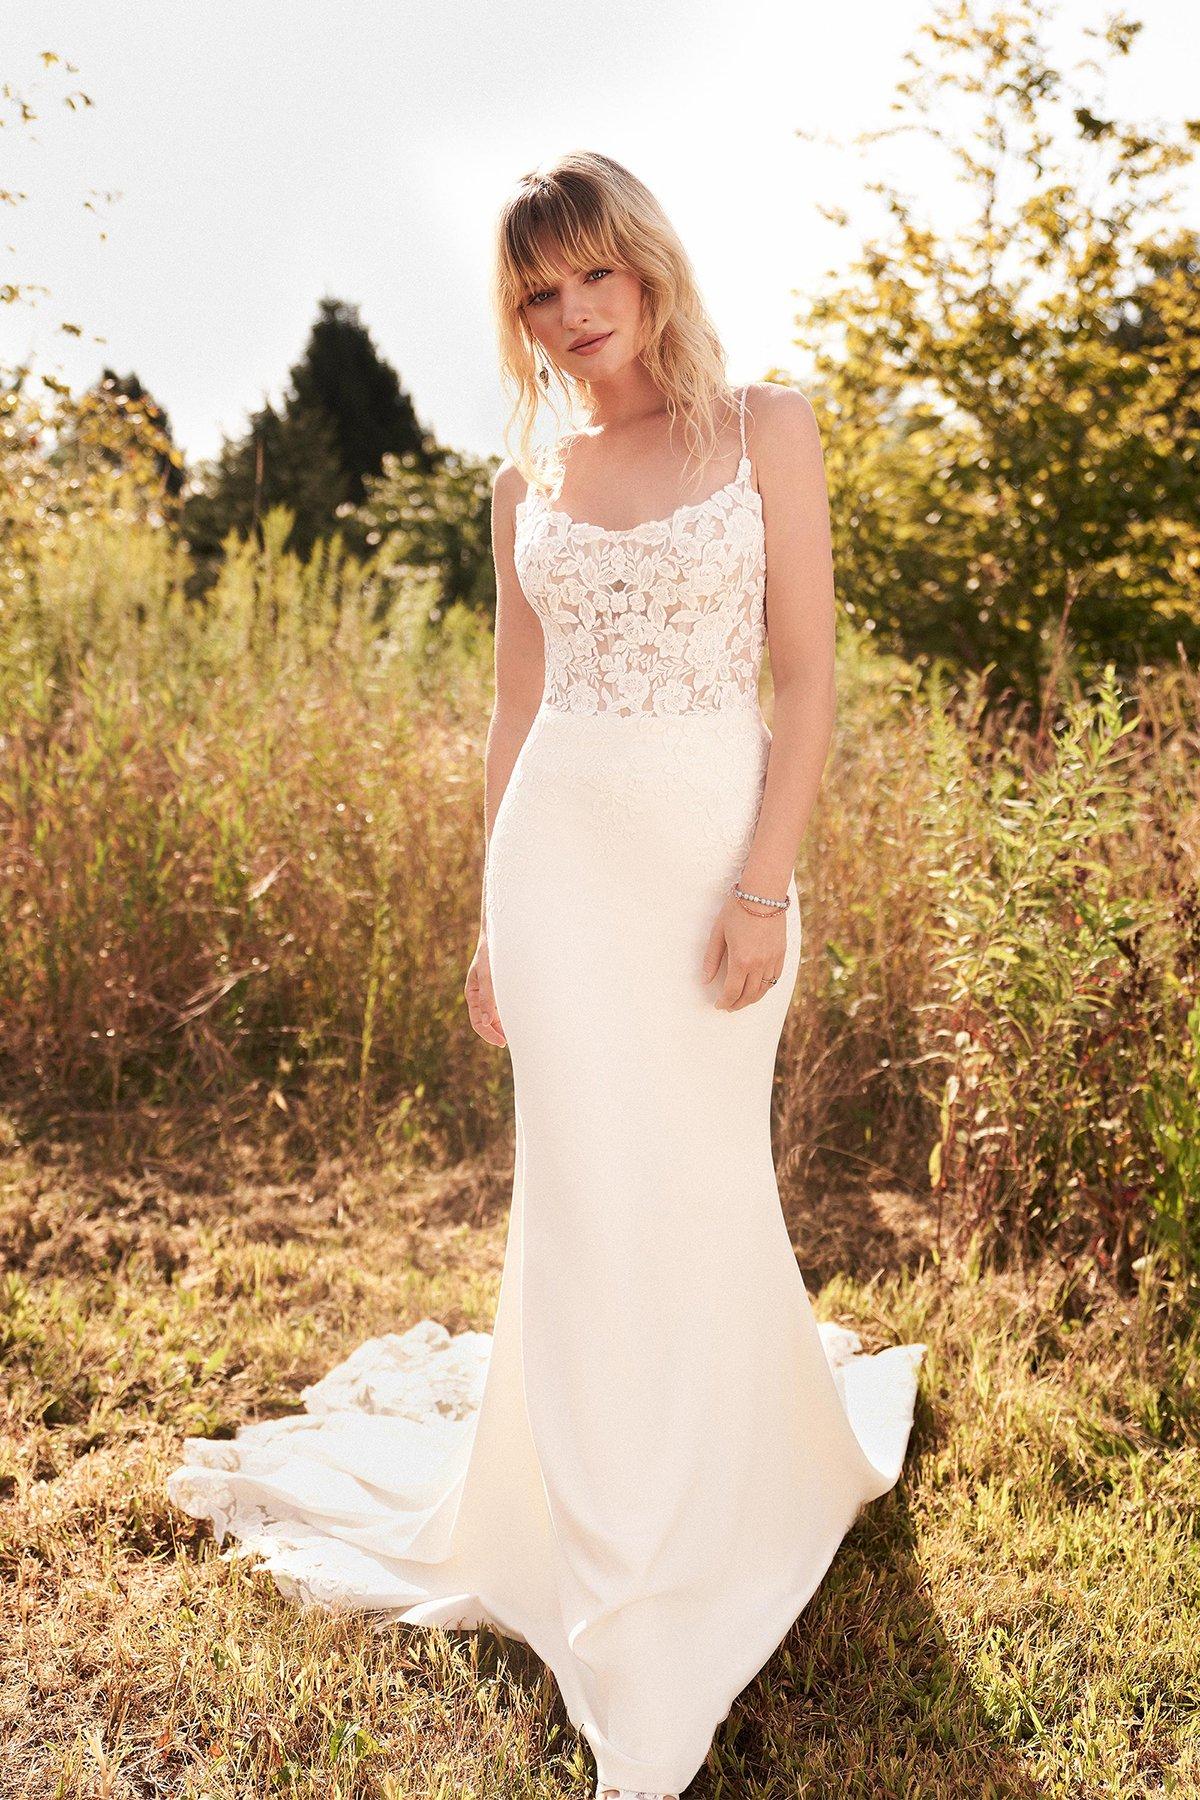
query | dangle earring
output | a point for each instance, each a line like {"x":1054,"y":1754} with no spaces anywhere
{"x":544,"y":374}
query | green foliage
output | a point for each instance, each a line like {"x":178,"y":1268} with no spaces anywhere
{"x":288,"y":458}
{"x":343,"y":375}
{"x":241,"y":853}
{"x":1030,"y":925}
{"x":240,"y":790}
{"x":103,"y":456}
{"x":121,"y":399}
{"x":1010,"y":392}
{"x":67,"y":458}
{"x":1002,"y":921}
{"x":436,"y":521}
{"x":344,"y":411}
{"x":1171,"y":1099}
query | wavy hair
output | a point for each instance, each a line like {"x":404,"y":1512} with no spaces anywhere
{"x":586,"y":210}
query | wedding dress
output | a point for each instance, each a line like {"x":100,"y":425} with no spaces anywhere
{"x":645,"y":1469}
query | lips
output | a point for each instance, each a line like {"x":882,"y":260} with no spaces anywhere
{"x":592,"y":343}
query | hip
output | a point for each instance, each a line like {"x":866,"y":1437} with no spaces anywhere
{"x":601,"y":798}
{"x":653,"y":762}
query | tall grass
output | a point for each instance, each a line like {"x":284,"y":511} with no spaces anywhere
{"x":1036,"y":927}
{"x":240,"y":855}
{"x":240,"y":840}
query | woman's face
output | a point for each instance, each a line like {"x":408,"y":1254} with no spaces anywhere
{"x":598,"y":302}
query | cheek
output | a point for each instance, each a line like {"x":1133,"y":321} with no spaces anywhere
{"x":536,"y":321}
{"x":630,"y":297}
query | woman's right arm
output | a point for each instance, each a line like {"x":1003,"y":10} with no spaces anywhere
{"x":520,"y":655}
{"x":520,"y":673}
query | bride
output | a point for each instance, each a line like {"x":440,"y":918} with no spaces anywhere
{"x":646,"y":1468}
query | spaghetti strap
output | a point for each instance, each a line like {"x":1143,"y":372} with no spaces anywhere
{"x":742,"y":420}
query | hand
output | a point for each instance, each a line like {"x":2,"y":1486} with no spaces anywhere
{"x":757,"y":947}
{"x":481,"y":999}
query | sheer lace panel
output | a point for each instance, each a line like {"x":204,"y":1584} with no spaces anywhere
{"x":664,"y":617}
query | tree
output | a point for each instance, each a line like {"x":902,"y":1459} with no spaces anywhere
{"x":1012,"y":403}
{"x":343,"y":412}
{"x":65,"y":458}
{"x":343,"y":375}
{"x":118,"y":417}
{"x":436,"y":521}
{"x":289,"y":457}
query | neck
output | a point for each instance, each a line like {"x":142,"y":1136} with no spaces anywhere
{"x":627,"y":398}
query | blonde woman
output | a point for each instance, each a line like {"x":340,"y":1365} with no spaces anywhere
{"x":646,"y":1471}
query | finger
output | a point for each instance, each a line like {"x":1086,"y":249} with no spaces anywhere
{"x":748,"y":995}
{"x":490,"y":1029}
{"x":481,"y":1009}
{"x":734,"y":985}
{"x":756,"y":986}
{"x":714,"y":952}
{"x":491,"y":1013}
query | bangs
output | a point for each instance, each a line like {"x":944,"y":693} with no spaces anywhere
{"x":552,"y":228}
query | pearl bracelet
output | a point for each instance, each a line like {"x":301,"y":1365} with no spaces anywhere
{"x":761,"y":899}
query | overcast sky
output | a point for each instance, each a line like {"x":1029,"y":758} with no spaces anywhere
{"x":245,"y":160}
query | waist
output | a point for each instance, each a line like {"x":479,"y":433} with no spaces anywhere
{"x":713,"y":756}
{"x":739,"y":713}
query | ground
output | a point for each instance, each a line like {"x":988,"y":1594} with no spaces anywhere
{"x":1017,"y":1618}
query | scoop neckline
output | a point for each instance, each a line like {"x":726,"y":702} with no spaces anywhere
{"x":689,"y":506}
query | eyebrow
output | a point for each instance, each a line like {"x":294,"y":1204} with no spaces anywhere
{"x":534,"y":287}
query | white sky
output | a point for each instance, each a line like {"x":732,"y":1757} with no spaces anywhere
{"x":264,"y":153}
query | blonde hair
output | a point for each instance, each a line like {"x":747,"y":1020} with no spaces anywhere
{"x":590,"y":211}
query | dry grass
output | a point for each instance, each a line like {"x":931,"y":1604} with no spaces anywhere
{"x":240,"y":867}
{"x":248,"y":1126}
{"x":1017,"y":1618}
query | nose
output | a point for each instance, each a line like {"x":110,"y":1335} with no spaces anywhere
{"x":576,"y":312}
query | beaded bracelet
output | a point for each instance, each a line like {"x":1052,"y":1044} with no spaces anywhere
{"x":761,"y":899}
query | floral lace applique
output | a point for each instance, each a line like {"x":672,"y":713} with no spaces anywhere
{"x":663,"y":618}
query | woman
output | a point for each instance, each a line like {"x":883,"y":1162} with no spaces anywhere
{"x":646,"y":1472}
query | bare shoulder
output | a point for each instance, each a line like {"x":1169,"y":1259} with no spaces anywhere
{"x":779,"y":411}
{"x":784,"y":437}
{"x":508,"y":490}
{"x":508,"y":483}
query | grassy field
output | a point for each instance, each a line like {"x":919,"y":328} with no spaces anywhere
{"x":244,"y":1125}
{"x":1017,"y":1618}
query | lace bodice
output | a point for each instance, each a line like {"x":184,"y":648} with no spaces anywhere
{"x":665,"y":617}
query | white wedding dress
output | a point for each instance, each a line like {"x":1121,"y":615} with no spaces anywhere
{"x":647,"y":1467}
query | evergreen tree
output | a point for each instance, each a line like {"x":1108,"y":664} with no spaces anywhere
{"x":343,"y":375}
{"x":344,"y":411}
{"x":289,"y":457}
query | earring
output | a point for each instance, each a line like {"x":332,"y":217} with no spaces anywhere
{"x":544,"y":374}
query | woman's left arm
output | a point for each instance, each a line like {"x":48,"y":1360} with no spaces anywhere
{"x":800,"y":629}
